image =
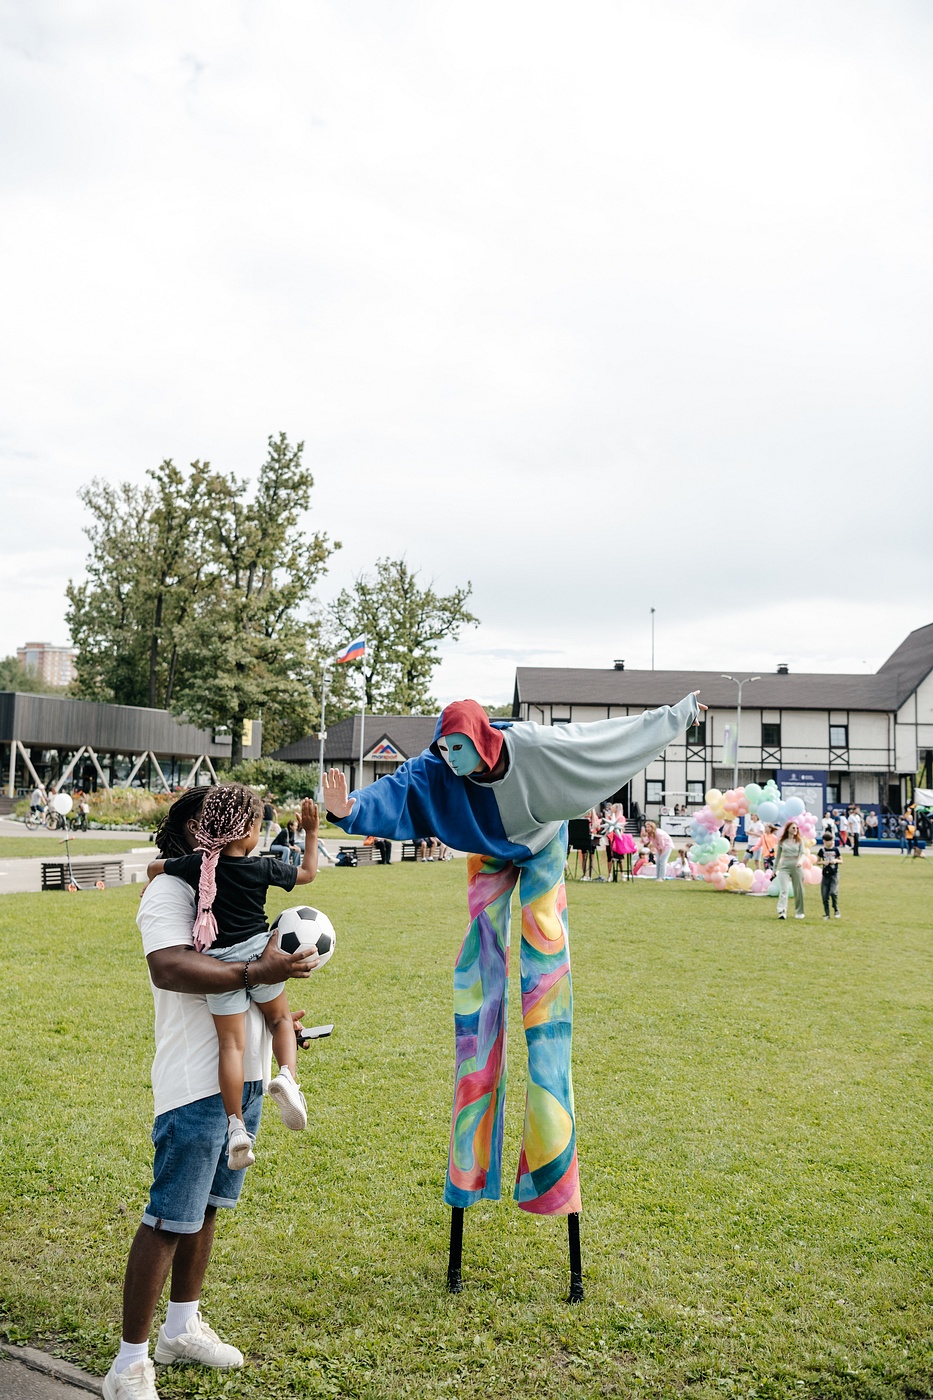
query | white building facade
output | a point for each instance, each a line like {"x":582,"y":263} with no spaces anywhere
{"x":848,"y":738}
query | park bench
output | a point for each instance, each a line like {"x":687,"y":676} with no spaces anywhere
{"x":408,"y":850}
{"x":364,"y":855}
{"x":88,"y":874}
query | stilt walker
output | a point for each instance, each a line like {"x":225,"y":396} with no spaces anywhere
{"x":505,"y":791}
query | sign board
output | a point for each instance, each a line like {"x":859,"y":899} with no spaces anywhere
{"x":806,"y":783}
{"x":385,"y":752}
{"x":730,"y":745}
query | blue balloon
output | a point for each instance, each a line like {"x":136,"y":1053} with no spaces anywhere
{"x":768,"y":812}
{"x":794,"y":807}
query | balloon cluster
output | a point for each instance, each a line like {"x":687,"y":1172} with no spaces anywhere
{"x":711,"y":848}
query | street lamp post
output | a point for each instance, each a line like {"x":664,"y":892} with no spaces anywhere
{"x":738,"y":719}
{"x":321,"y":737}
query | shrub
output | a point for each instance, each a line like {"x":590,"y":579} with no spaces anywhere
{"x":128,"y":807}
{"x":288,"y":782}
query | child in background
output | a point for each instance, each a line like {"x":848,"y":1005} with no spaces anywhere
{"x":830,"y":857}
{"x":754,"y":829}
{"x":225,"y":878}
{"x":767,"y":845}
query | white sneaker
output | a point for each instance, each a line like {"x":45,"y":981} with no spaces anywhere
{"x":781,"y":914}
{"x":800,"y":916}
{"x":293,"y":1108}
{"x":239,"y":1145}
{"x":838,"y":915}
{"x":198,"y":1343}
{"x":825,"y":918}
{"x":137,"y":1382}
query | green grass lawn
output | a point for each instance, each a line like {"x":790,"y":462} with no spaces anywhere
{"x":754,"y":1121}
{"x":53,"y":847}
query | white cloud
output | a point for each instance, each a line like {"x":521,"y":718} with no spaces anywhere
{"x":603,"y":309}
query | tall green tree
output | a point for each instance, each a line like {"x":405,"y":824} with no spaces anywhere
{"x":403,"y":623}
{"x":255,"y":637}
{"x":147,"y":567}
{"x":199,"y":596}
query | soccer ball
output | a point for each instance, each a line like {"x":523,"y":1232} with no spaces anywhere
{"x":302,"y":928}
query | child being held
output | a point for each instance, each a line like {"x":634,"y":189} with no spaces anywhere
{"x":227,"y":880}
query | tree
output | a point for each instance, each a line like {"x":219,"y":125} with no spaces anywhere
{"x":403,"y":624}
{"x":255,"y":635}
{"x":15,"y":676}
{"x":199,"y":599}
{"x":147,"y":567}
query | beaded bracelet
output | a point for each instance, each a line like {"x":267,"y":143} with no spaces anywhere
{"x":254,"y":958}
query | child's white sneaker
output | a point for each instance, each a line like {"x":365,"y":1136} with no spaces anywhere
{"x":292,"y":1106}
{"x":239,"y":1145}
{"x":198,"y":1343}
{"x":800,"y":916}
{"x":137,"y":1382}
{"x":838,"y":915}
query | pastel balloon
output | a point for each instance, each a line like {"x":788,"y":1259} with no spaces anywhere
{"x":713,"y":797}
{"x":768,"y":811}
{"x":794,"y":807}
{"x":752,"y":792}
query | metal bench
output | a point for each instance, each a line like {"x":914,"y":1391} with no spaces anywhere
{"x":408,"y":850}
{"x":88,"y":874}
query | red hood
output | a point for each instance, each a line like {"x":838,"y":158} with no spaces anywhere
{"x":468,"y":717}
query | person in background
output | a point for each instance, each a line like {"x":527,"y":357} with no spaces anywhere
{"x":285,"y":846}
{"x":855,"y":828}
{"x":790,"y":851}
{"x":767,"y":845}
{"x":843,"y":829}
{"x":268,"y":818}
{"x":830,"y":823}
{"x":37,"y":800}
{"x":754,"y":830}
{"x":830,"y":858}
{"x":871,"y":826}
{"x":659,"y":844}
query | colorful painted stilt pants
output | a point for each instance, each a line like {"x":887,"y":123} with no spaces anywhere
{"x":548,"y":1179}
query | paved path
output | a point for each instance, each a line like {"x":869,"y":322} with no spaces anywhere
{"x":27,"y":1374}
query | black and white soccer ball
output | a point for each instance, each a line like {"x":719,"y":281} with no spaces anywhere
{"x":301,"y":928}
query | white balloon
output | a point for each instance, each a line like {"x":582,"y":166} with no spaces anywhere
{"x":62,"y":803}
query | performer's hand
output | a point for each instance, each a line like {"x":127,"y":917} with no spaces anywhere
{"x":336,"y":801}
{"x":699,"y":706}
{"x":309,"y":817}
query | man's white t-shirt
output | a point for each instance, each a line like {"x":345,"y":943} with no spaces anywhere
{"x":855,"y":823}
{"x":185,"y":1065}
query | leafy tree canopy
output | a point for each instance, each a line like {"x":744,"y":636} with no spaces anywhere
{"x":403,"y":623}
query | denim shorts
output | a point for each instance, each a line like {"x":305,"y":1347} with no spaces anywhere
{"x":190,"y":1171}
{"x":230,"y":1003}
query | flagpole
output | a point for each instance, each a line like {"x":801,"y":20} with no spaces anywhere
{"x":362,"y":713}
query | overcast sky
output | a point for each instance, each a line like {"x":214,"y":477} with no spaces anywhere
{"x":603,"y":306}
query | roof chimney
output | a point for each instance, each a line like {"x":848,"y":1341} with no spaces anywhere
{"x":618,"y":665}
{"x":783,"y":668}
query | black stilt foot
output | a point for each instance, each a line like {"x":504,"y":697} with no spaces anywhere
{"x":455,"y":1258}
{"x":576,"y":1265}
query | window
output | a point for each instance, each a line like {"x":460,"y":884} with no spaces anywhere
{"x":838,"y":736}
{"x":655,"y":790}
{"x":832,"y":794}
{"x":770,"y":736}
{"x":695,"y":792}
{"x":696,"y":734}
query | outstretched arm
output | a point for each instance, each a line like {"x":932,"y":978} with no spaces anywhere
{"x":336,"y":800}
{"x":310,"y":818}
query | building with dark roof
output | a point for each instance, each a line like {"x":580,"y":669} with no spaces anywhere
{"x":387,"y":740}
{"x":862,"y":738}
{"x":50,"y":738}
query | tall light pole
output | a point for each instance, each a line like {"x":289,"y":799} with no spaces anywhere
{"x":321,"y":737}
{"x":738,"y":719}
{"x":652,"y":639}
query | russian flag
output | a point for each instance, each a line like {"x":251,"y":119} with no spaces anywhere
{"x":354,"y":652}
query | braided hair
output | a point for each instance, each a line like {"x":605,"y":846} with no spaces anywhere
{"x":171,"y":833}
{"x":227,"y":815}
